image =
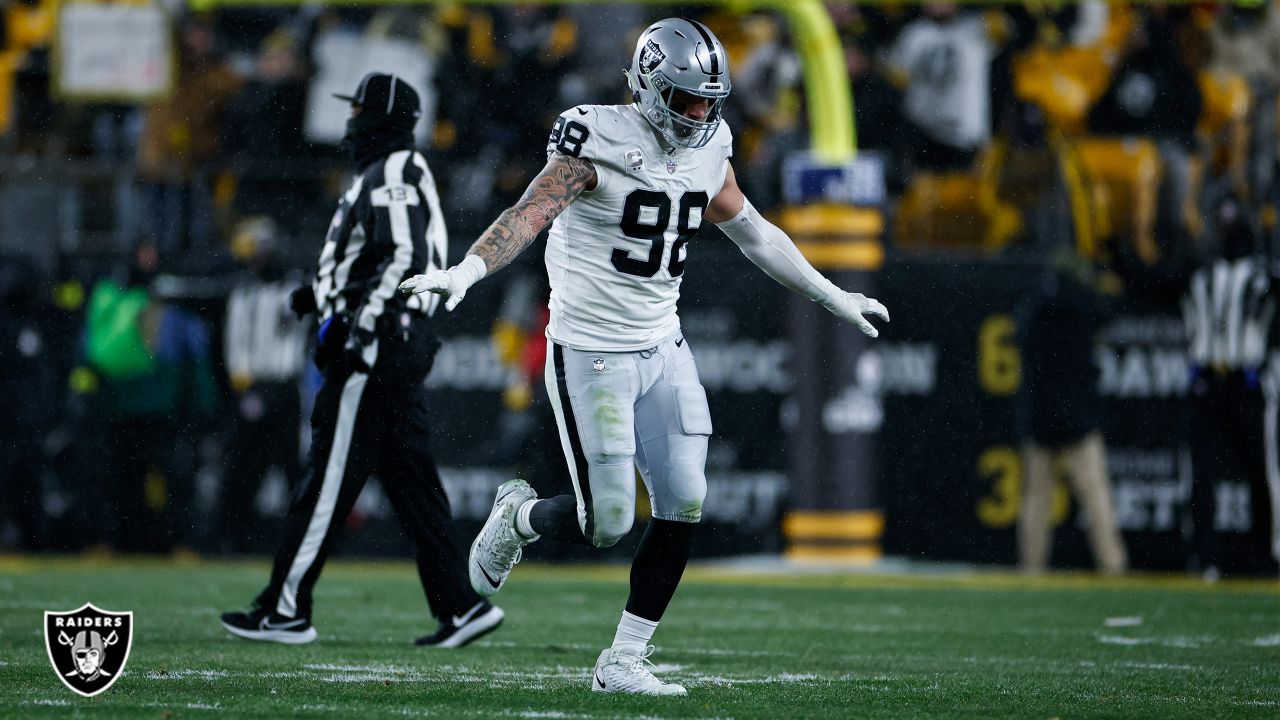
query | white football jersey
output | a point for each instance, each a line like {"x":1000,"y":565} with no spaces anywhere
{"x":616,"y":255}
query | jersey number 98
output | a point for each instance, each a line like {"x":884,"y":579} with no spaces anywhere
{"x":652,"y":226}
{"x":567,"y":136}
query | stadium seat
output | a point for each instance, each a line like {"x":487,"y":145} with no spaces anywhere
{"x":1223,"y":125}
{"x":957,"y":209}
{"x":1121,"y":180}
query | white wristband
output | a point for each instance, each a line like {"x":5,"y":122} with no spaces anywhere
{"x":471,"y":270}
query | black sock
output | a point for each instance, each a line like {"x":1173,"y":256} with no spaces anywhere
{"x":656,"y":570}
{"x":557,"y":518}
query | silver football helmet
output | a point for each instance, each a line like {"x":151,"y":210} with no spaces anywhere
{"x":679,"y":55}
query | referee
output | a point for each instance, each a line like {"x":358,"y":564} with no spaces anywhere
{"x":375,"y":348}
{"x":1230,"y":310}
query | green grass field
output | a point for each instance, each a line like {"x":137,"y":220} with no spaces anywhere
{"x":746,"y":646}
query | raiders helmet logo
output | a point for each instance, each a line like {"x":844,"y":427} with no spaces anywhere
{"x":651,"y":57}
{"x":88,"y":647}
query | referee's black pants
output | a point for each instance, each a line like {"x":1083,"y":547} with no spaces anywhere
{"x":1229,"y":420}
{"x":362,"y":424}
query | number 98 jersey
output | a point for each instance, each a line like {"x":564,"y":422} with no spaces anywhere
{"x":616,"y":255}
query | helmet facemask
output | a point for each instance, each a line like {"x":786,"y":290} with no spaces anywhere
{"x":656,"y":94}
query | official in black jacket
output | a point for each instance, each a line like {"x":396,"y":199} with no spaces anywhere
{"x":375,"y":349}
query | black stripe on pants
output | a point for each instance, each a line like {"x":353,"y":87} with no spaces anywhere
{"x":578,"y":457}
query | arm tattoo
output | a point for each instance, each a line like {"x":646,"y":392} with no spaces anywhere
{"x":562,"y":180}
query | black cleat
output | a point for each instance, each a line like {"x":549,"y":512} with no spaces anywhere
{"x":258,"y":624}
{"x":459,"y":630}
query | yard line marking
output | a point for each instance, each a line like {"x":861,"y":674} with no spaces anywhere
{"x":185,"y":673}
{"x":1267,"y":641}
{"x":1123,"y":621}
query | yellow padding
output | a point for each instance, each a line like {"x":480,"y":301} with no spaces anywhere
{"x":856,"y":554}
{"x":833,"y":525}
{"x":835,"y":221}
{"x":1129,"y":171}
{"x":847,"y":255}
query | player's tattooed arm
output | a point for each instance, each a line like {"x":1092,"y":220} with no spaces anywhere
{"x":561,"y":181}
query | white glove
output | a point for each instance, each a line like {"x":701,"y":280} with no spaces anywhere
{"x":851,"y":307}
{"x":452,"y":283}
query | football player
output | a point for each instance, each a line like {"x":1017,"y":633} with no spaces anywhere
{"x":625,"y":189}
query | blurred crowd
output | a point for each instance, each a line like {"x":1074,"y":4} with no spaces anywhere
{"x":1112,"y":130}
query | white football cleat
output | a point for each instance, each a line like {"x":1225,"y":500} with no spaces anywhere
{"x":623,"y":669}
{"x":497,"y":548}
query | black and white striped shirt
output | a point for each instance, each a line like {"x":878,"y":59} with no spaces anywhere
{"x":1228,"y":312}
{"x":388,"y":227}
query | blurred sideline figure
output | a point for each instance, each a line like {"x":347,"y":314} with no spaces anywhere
{"x":1229,"y":312}
{"x":264,"y":348}
{"x":627,"y":187}
{"x":375,"y":349}
{"x":1062,"y":416}
{"x":157,"y":382}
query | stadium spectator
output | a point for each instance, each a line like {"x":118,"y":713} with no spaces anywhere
{"x":1061,"y":414}
{"x":265,"y":350}
{"x":1246,"y":42}
{"x":945,"y":58}
{"x":1153,"y":93}
{"x":263,"y":134}
{"x":180,"y":137}
{"x":156,"y":386}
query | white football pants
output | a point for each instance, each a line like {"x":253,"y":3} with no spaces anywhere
{"x":621,"y":410}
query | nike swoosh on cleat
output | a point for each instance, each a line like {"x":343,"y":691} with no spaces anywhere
{"x":602,"y":685}
{"x":267,"y":624}
{"x":492,"y":583}
{"x":466,"y":617}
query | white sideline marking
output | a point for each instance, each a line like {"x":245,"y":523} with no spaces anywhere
{"x":53,"y":703}
{"x":1133,"y":621}
{"x":1267,"y":641}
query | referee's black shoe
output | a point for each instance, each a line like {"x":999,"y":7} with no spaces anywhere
{"x":259,"y":624}
{"x":483,"y":618}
